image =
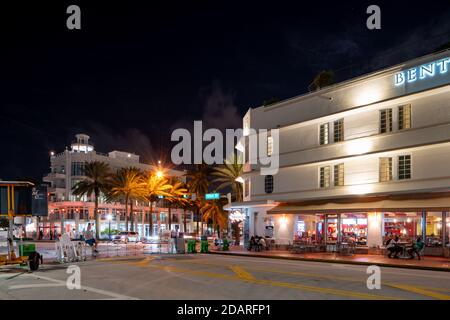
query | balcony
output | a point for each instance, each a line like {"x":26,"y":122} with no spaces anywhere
{"x":53,"y":176}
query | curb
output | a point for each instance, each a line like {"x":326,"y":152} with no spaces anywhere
{"x":390,"y":265}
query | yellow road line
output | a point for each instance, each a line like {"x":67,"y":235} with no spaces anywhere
{"x":144,"y":262}
{"x":421,"y":291}
{"x":241,"y":273}
{"x":294,"y":273}
{"x":331,"y":291}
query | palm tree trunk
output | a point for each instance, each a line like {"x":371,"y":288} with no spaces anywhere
{"x":97,"y":218}
{"x":197,"y":214}
{"x":126,"y":213}
{"x":150,"y":221}
{"x":131,"y":216}
{"x":170,"y":217}
{"x":184,"y":220}
{"x":143,"y":224}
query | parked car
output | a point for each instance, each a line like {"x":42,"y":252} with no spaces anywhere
{"x":126,"y":236}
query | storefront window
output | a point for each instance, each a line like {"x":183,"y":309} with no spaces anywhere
{"x":434,"y":229}
{"x":354,"y":228}
{"x":332,"y":228}
{"x":305,"y":227}
{"x":406,"y":225}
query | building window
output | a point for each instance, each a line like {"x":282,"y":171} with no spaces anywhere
{"x":269,"y":143}
{"x":404,"y":167}
{"x":323,"y":133}
{"x":268,"y":184}
{"x":339,"y":175}
{"x":404,"y":117}
{"x":385,"y":120}
{"x":385,"y":169}
{"x":407,"y":225}
{"x":77,"y":168}
{"x":338,"y":130}
{"x":325,"y":177}
{"x":246,"y":187}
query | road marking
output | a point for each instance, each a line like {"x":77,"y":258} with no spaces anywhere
{"x":99,"y":291}
{"x":37,"y":285}
{"x":424,"y":292}
{"x":143,"y":263}
{"x":241,"y":273}
{"x":331,"y":291}
{"x":294,"y":273}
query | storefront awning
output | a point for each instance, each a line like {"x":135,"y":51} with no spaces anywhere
{"x":418,"y":202}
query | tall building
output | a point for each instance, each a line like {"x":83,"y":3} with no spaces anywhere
{"x":67,"y":211}
{"x":358,"y":160}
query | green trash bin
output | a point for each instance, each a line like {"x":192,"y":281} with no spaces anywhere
{"x":26,"y":249}
{"x":226,"y":245}
{"x":191,"y":246}
{"x":204,"y":246}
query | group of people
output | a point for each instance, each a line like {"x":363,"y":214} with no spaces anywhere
{"x":257,"y":243}
{"x":394,"y":248}
{"x":87,"y":236}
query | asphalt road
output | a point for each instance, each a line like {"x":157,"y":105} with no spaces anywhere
{"x":219,"y":277}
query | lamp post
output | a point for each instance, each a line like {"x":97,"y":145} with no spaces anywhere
{"x":109,"y":217}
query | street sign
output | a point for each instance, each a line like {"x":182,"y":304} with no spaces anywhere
{"x":212,"y":196}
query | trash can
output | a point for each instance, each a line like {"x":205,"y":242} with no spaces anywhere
{"x":191,"y":246}
{"x":26,"y":249}
{"x":179,"y":245}
{"x":204,"y":246}
{"x":226,"y":245}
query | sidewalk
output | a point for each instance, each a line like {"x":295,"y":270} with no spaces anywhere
{"x":428,"y":263}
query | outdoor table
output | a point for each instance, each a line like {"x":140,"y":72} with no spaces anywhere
{"x":404,"y":254}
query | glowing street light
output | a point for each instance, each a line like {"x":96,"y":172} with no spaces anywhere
{"x":159,"y":174}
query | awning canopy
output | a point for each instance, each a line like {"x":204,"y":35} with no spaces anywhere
{"x":417,"y":202}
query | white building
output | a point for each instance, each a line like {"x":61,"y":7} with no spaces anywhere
{"x":70,"y":211}
{"x":357,"y":160}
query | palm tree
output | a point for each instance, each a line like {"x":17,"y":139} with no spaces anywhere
{"x":97,"y":181}
{"x":155,"y":186}
{"x":177,"y":191}
{"x":213,"y":210}
{"x":127,"y":184}
{"x":198,"y":184}
{"x":186,"y":204}
{"x":227,"y":175}
{"x":323,"y":79}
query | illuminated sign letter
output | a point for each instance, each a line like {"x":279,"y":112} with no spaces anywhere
{"x":399,"y":79}
{"x":443,"y":65}
{"x":411,"y":75}
{"x":427,"y":69}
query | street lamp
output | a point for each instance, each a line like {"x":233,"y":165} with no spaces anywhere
{"x":109,"y":217}
{"x":159,"y":174}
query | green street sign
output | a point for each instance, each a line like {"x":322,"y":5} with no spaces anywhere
{"x":212,"y":196}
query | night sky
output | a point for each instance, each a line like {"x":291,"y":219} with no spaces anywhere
{"x":135,"y":72}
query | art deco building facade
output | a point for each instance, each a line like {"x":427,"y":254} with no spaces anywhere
{"x":358,"y":160}
{"x":70,"y":211}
